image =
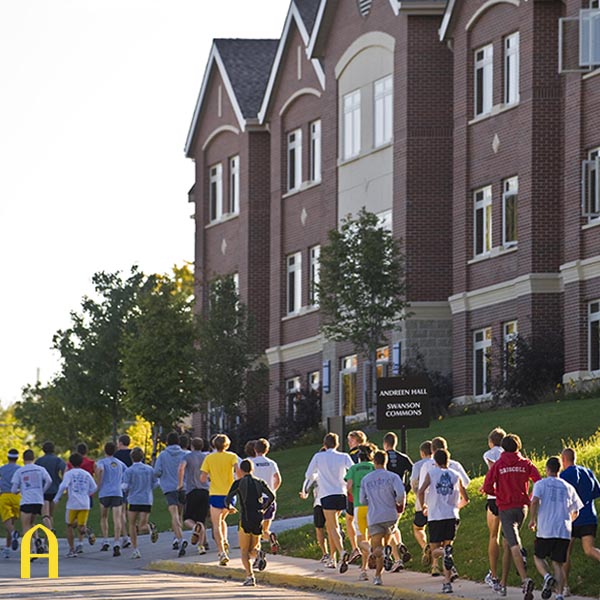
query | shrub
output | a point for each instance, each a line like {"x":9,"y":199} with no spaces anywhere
{"x":301,"y":417}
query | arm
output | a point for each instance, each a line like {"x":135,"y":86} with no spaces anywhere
{"x":205,"y":470}
{"x":158,"y":466}
{"x":125,"y":483}
{"x":276,"y":481}
{"x":61,"y":488}
{"x":463,"y":494}
{"x":268,"y":492}
{"x":99,"y":472}
{"x":92,"y":487}
{"x":233,"y":490}
{"x":16,"y":483}
{"x":47,"y":480}
{"x":364,"y":498}
{"x":180,"y":475}
{"x":421,"y":493}
{"x":400,"y":495}
{"x":535,"y":504}
{"x":489,"y":481}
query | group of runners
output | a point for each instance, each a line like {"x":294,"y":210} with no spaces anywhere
{"x":370,"y":485}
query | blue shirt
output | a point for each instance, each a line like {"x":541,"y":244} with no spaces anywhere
{"x":167,"y":467}
{"x":6,"y":474}
{"x":112,"y":476}
{"x":588,"y":489}
{"x":56,"y":468}
{"x":138,"y":481}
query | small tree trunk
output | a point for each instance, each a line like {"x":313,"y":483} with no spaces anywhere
{"x":373,"y":359}
{"x":154,"y":443}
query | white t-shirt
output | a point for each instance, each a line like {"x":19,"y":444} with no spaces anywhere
{"x":414,"y":480}
{"x":444,"y":494}
{"x":558,"y":499}
{"x":79,"y":485}
{"x":452,"y":464}
{"x":329,"y":467}
{"x":31,"y":481}
{"x":265,"y":469}
{"x":491,"y":456}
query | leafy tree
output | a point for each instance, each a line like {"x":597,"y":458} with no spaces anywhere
{"x":12,"y":433}
{"x":362,"y":285}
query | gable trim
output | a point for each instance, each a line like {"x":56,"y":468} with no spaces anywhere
{"x":215,"y":132}
{"x":367,"y":40}
{"x":303,"y":92}
{"x":485,"y":7}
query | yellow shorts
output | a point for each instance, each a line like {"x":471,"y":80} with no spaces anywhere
{"x":9,"y":506}
{"x":360,"y":513}
{"x":78,"y":516}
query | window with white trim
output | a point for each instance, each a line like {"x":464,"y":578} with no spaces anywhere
{"x":483,"y":221}
{"x":351,"y":124}
{"x":315,"y":151}
{"x":511,"y":69}
{"x":510,"y":196}
{"x":234,"y":185}
{"x":215,"y":191}
{"x":482,"y":363}
{"x":314,"y":275}
{"x":292,"y":391}
{"x":383,"y":111}
{"x":314,"y":380}
{"x":591,"y":185}
{"x":348,"y":384}
{"x":594,"y":336}
{"x":510,"y":332}
{"x":382,"y":361}
{"x":294,"y":160}
{"x":484,"y":70}
{"x":294,"y":283}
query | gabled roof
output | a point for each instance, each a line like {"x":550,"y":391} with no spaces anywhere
{"x":443,"y":30}
{"x":244,"y":66}
{"x":294,"y":15}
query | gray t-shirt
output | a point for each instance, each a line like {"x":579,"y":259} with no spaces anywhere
{"x":193,"y":461}
{"x":381,"y":490}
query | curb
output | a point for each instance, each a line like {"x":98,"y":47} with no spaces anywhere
{"x":294,"y":581}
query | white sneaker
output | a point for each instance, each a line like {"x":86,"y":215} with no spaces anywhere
{"x":362,"y":576}
{"x":79,"y":549}
{"x":566,"y":591}
{"x":377,"y":580}
{"x":136,"y":553}
{"x":5,"y":552}
{"x":489,"y":579}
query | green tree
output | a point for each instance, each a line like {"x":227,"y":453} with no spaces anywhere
{"x":12,"y":433}
{"x":362,"y":285}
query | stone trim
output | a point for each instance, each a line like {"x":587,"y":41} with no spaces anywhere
{"x":295,"y":350}
{"x":213,"y":134}
{"x":373,"y":38}
{"x":580,"y":270}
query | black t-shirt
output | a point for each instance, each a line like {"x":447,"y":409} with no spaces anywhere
{"x":401,"y":465}
{"x":124,"y":455}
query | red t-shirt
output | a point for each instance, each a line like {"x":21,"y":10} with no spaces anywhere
{"x":87,"y":465}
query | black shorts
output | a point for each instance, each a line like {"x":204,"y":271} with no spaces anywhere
{"x":48,"y":497}
{"x":420,"y":519}
{"x":334,"y":502}
{"x":442,"y":531}
{"x":175,"y":498}
{"x":145,"y":508}
{"x":251,"y":527}
{"x":350,"y":508}
{"x":318,"y":517}
{"x":31,"y":509}
{"x":581,"y":531}
{"x":111,"y":501}
{"x":196,"y":506}
{"x":492,"y":506}
{"x":555,"y":548}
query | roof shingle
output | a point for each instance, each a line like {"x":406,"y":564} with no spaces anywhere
{"x":308,"y":10}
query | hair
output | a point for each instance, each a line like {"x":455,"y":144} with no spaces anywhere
{"x":184,"y":441}
{"x":569,"y":455}
{"x":511,"y":443}
{"x":262,"y":446}
{"x":48,"y":447}
{"x":390,"y":439}
{"x":553,"y":464}
{"x":173,"y":439}
{"x":359,"y":436}
{"x":124,"y":439}
{"x":439,"y":443}
{"x":221,"y":442}
{"x":76,"y":459}
{"x":365,"y":452}
{"x":247,"y":466}
{"x":82,"y":449}
{"x":380,"y":458}
{"x":496,"y":436}
{"x":28,"y":455}
{"x":137,"y":454}
{"x":441,"y":457}
{"x":110,"y":448}
{"x":197,"y":443}
{"x":212,"y":440}
{"x":331,"y":440}
{"x":425,"y":448}
{"x":250,"y":448}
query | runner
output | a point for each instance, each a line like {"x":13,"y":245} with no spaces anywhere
{"x":447,"y":495}
{"x":355,"y":439}
{"x":167,"y":471}
{"x":267,"y":469}
{"x":329,"y":468}
{"x":251,"y":492}
{"x":79,"y":485}
{"x":196,"y":500}
{"x":554,"y":505}
{"x":109,"y":476}
{"x":32,"y":481}
{"x":585,"y":526}
{"x":139,"y":481}
{"x":383,"y":493}
{"x":249,"y":450}
{"x":220,"y":467}
{"x":9,"y":503}
{"x":420,"y":520}
{"x":508,"y":479}
{"x":87,"y":465}
{"x":493,"y":520}
{"x":123,"y":453}
{"x":56,"y":467}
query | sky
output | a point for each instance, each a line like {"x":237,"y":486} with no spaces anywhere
{"x":96,"y":99}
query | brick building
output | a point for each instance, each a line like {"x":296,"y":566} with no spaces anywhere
{"x":452,"y":122}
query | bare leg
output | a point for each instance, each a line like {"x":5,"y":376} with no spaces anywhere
{"x":377,"y":549}
{"x":506,"y":561}
{"x":215,"y":517}
{"x":518,"y":560}
{"x":493,"y":523}
{"x":351,"y":530}
{"x":333,"y":531}
{"x":321,"y":540}
{"x":132,"y":527}
{"x":420,"y":536}
{"x":71,"y":536}
{"x":175,"y":522}
{"x":104,"y":521}
{"x":589,"y":549}
{"x":117,"y":512}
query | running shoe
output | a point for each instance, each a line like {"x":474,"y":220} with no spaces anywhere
{"x":354,"y":556}
{"x":362,"y":576}
{"x":448,"y":559}
{"x":447,"y":588}
{"x":153,"y":532}
{"x":560,"y":597}
{"x":182,"y":548}
{"x":14,"y":544}
{"x":261,"y":560}
{"x":398,"y":566}
{"x":91,"y":536}
{"x":344,"y":562}
{"x":566,"y":591}
{"x":223,"y":559}
{"x":5,"y":552}
{"x":377,"y":580}
{"x":331,"y":563}
{"x":71,"y":554}
{"x":274,"y":543}
{"x":405,"y":555}
{"x":528,"y":589}
{"x":226,"y":546}
{"x":175,"y":545}
{"x":435,"y":571}
{"x":105,"y":547}
{"x":79,"y":549}
{"x":125,"y":542}
{"x":249,"y":582}
{"x":501,"y":590}
{"x":136,"y":553}
{"x":488,"y":579}
{"x":325,"y":558}
{"x":201,"y":549}
{"x":549,"y":583}
{"x":496,"y":585}
{"x":426,"y":557}
{"x":453,"y":574}
{"x":116,"y":550}
{"x":388,"y":561}
{"x":196,"y":533}
{"x":39,"y":546}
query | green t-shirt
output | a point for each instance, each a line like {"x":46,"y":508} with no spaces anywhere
{"x":355,"y":474}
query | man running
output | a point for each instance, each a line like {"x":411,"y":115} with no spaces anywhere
{"x":9,"y":503}
{"x":123,"y":453}
{"x":56,"y":468}
{"x":554,"y":505}
{"x":250,"y":491}
{"x":585,"y":525}
{"x":355,"y":439}
{"x":420,"y":520}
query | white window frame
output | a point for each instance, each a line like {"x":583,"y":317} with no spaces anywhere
{"x":384,"y":110}
{"x":314,"y":380}
{"x":315,"y":151}
{"x":484,"y":344}
{"x":292,"y":386}
{"x":511,"y":69}
{"x":314,"y":275}
{"x":234,"y":185}
{"x":590,"y":186}
{"x":348,"y":366}
{"x":510,"y":332}
{"x":510,"y":192}
{"x":485,"y":63}
{"x":593,"y":317}
{"x":351,"y":124}
{"x":589,"y":36}
{"x":294,"y":160}
{"x":293,"y":297}
{"x":482,"y":201}
{"x":215,"y":192}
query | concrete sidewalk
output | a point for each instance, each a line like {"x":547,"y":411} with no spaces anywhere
{"x":286,"y":571}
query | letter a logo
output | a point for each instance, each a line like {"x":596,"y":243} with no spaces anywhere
{"x":52,"y":555}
